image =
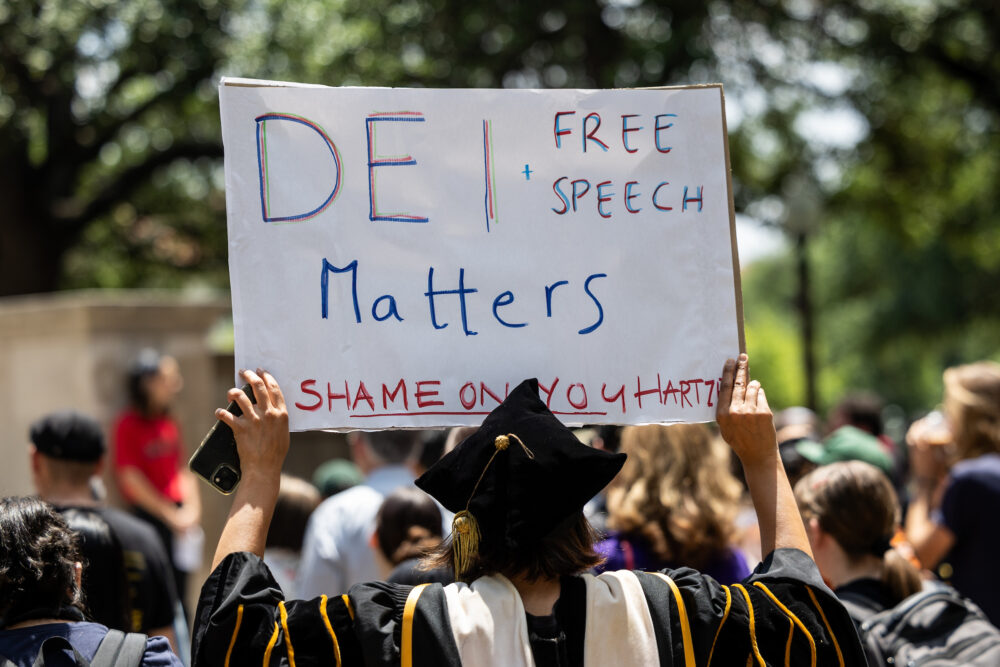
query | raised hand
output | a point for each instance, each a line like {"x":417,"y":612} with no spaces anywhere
{"x":262,"y":431}
{"x":743,"y":414}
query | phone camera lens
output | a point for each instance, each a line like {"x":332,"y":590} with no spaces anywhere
{"x":226,"y":478}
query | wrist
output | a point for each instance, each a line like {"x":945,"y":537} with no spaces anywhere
{"x":259,"y":485}
{"x":761,"y":461}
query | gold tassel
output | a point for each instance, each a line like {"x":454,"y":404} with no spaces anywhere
{"x":465,"y":542}
{"x":465,"y":533}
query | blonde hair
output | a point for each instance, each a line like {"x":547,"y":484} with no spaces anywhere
{"x":972,"y":399}
{"x":855,"y":504}
{"x":676,"y":491}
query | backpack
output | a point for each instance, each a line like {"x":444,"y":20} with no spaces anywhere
{"x":935,"y":626}
{"x":117,"y":649}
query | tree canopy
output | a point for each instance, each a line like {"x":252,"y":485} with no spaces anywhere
{"x":887,"y":112}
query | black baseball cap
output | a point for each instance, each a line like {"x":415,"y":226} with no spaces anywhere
{"x":69,"y":436}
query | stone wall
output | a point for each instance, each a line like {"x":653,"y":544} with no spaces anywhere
{"x":71,"y":350}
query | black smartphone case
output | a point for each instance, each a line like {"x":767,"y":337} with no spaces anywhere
{"x":216,"y":461}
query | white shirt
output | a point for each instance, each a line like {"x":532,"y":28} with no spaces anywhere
{"x":336,"y":552}
{"x":284,"y":566}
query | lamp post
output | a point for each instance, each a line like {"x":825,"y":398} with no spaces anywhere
{"x":802,"y":214}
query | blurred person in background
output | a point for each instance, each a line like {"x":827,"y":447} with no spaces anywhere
{"x":150,"y":461}
{"x":297,"y":499}
{"x":431,"y":449}
{"x":105,"y":589}
{"x":847,"y":443}
{"x":796,"y":425}
{"x":336,"y":552}
{"x":863,"y":411}
{"x":407,"y":528}
{"x":674,"y":504}
{"x":955,"y":473}
{"x":336,"y":475}
{"x":41,"y":602}
{"x":67,"y":452}
{"x":852,"y":515}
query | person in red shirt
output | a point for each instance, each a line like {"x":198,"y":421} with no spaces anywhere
{"x":149,"y":455}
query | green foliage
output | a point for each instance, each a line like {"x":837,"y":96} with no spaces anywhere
{"x":109,"y":134}
{"x":105,"y":111}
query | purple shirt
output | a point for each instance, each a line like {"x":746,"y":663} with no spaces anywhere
{"x":727,"y":567}
{"x":22,"y":645}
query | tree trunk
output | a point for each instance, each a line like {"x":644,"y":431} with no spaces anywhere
{"x":30,"y":251}
{"x":804,"y":304}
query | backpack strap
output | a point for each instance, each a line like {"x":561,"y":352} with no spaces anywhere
{"x":859,"y":607}
{"x":51,"y":643}
{"x":120,"y":649}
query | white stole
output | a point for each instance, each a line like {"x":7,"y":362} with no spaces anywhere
{"x":487,"y":620}
{"x":489,"y":626}
{"x":619,"y":626}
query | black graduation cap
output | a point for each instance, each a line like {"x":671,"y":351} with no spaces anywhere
{"x":68,"y":435}
{"x":518,"y":477}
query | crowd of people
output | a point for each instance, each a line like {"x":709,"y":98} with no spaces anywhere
{"x":516,"y":543}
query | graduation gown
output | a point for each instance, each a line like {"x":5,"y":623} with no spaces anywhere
{"x":782,"y":614}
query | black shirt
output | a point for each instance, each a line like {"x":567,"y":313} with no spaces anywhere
{"x":150,"y":583}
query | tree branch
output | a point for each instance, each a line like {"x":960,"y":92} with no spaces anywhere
{"x":982,"y":82}
{"x":178,"y":91}
{"x":73,"y":215}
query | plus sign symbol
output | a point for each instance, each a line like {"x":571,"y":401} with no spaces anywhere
{"x":527,"y":173}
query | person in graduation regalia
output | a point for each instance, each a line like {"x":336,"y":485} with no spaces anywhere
{"x":521,"y":548}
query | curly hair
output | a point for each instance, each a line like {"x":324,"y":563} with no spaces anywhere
{"x":38,"y":556}
{"x":675,"y":491}
{"x":972,"y":401}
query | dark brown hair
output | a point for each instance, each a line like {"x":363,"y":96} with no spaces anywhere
{"x":38,"y":556}
{"x":567,"y":550}
{"x":855,"y":504}
{"x":297,"y":499}
{"x":408,"y":525}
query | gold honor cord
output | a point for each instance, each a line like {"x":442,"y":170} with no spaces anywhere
{"x":270,"y":646}
{"x":329,"y":629}
{"x":236,"y":631}
{"x":833,"y":637}
{"x":794,"y":619}
{"x":753,"y":634}
{"x":725,"y":615}
{"x":288,"y":637}
{"x":406,"y":633}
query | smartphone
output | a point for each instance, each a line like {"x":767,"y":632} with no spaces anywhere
{"x":216,"y":460}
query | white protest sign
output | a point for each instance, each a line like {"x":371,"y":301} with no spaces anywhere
{"x":405,"y":257}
